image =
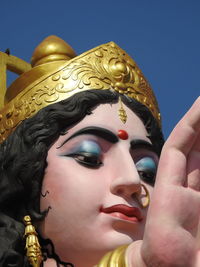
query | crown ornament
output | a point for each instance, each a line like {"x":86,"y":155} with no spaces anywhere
{"x":57,"y":73}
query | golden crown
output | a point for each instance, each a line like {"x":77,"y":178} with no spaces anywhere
{"x":57,"y":73}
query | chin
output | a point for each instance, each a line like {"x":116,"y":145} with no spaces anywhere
{"x":114,"y":239}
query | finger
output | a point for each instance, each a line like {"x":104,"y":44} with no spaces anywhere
{"x":193,"y":170}
{"x":197,"y":260}
{"x":187,"y":130}
{"x":196,"y":145}
{"x":198,"y":239}
{"x":173,"y":161}
{"x":172,"y":167}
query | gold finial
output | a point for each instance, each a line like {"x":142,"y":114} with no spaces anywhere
{"x":50,"y":49}
{"x":33,"y":250}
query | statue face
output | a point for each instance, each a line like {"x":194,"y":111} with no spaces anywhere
{"x":89,"y":170}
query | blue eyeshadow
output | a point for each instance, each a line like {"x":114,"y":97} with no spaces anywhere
{"x":146,"y":163}
{"x":88,"y":146}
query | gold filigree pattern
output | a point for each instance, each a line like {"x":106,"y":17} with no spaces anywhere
{"x":104,"y":67}
{"x":122,"y":112}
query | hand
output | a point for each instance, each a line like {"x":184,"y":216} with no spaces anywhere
{"x":171,"y":234}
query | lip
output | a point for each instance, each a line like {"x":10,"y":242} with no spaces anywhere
{"x":124,"y":212}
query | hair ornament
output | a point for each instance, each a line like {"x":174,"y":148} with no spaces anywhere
{"x":122,"y":112}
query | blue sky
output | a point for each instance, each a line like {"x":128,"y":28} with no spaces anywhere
{"x":163,"y":37}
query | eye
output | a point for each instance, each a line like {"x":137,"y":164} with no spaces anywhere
{"x":147,"y":168}
{"x":88,"y":153}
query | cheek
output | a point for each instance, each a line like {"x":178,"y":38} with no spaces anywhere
{"x":150,"y":189}
{"x":70,"y":183}
{"x":55,"y":184}
{"x":75,"y":195}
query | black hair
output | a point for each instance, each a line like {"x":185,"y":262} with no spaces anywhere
{"x":23,"y":161}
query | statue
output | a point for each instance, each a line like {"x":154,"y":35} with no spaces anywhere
{"x":80,"y":144}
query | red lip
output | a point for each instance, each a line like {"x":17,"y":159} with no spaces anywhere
{"x":125,"y":212}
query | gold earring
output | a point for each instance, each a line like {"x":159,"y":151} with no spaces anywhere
{"x":33,"y":249}
{"x":147,"y":196}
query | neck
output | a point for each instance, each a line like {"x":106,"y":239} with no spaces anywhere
{"x":86,"y":261}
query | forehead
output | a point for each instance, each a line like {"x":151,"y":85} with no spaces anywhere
{"x":106,"y":116}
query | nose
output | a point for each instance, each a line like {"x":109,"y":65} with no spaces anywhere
{"x":126,"y":180}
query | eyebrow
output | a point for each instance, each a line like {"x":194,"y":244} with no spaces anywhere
{"x":98,"y":131}
{"x":140,"y":143}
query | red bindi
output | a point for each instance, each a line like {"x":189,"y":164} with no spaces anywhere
{"x":122,"y":134}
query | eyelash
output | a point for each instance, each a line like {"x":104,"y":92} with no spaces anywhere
{"x":89,"y":155}
{"x":147,"y":175}
{"x":87,"y":159}
{"x":93,"y":161}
